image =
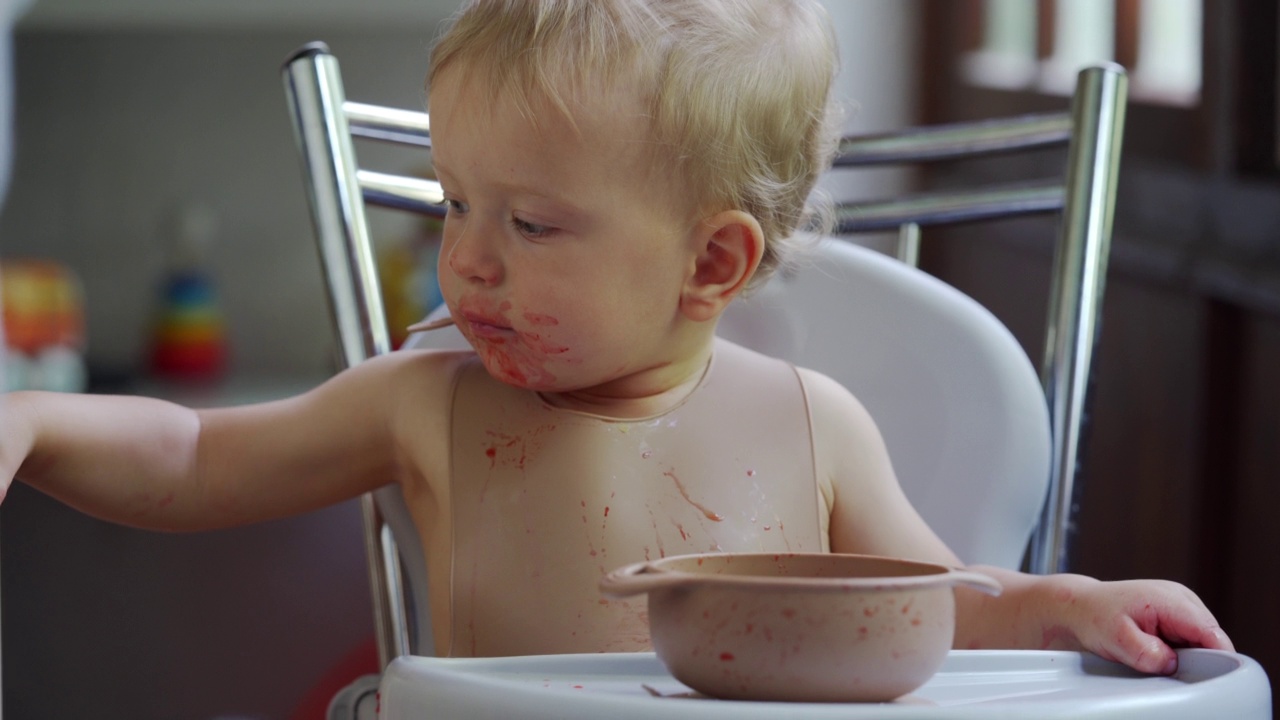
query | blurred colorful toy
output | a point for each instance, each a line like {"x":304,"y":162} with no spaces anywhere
{"x":44,"y":333}
{"x":188,"y":337}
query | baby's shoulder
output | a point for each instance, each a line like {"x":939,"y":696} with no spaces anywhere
{"x":827,"y":398}
{"x":421,"y":372}
{"x":831,"y":404}
{"x":405,"y":379}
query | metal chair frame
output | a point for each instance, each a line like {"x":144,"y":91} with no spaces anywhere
{"x":338,"y":190}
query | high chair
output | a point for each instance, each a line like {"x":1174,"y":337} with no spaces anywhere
{"x":984,"y":446}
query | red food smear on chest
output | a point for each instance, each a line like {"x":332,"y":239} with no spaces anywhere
{"x":685,"y":494}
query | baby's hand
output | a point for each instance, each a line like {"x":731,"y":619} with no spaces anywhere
{"x":1135,"y":622}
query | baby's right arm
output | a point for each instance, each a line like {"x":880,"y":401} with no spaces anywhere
{"x":153,"y":464}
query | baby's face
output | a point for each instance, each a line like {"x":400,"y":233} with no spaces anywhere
{"x":563,"y":262}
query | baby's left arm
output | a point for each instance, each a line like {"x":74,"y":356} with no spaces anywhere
{"x":1134,"y":622}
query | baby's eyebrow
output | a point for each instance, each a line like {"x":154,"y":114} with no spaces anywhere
{"x":436,"y":165}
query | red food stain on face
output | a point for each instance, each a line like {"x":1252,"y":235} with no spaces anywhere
{"x":165,"y":501}
{"x":540,"y":319}
{"x":517,"y":357}
{"x":726,"y":657}
{"x":545,"y":347}
{"x":606,"y":511}
{"x":788,"y":613}
{"x":503,"y":366}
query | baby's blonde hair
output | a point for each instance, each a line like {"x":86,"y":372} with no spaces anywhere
{"x":737,"y":92}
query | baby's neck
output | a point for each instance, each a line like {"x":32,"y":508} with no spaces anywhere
{"x":641,"y":395}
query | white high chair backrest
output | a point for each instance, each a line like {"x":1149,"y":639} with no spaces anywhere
{"x":959,"y":403}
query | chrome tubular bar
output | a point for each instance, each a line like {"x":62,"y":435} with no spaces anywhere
{"x":313,"y":86}
{"x":955,"y":140}
{"x":1093,"y":166}
{"x":946,"y":208}
{"x":388,"y":124}
{"x":402,"y":193}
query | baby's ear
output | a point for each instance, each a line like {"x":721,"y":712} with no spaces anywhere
{"x":728,"y":249}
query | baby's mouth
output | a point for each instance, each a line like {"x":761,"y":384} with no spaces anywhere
{"x":486,"y":326}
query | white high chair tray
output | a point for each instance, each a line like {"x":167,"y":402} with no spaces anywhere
{"x":971,"y":684}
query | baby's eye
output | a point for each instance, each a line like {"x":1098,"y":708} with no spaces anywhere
{"x":529,"y":229}
{"x":455,"y":207}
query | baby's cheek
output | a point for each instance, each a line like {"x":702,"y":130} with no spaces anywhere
{"x":540,"y":346}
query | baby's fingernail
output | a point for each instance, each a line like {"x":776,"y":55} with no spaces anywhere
{"x":1171,"y":666}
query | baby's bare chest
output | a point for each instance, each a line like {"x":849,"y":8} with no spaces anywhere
{"x":543,"y":502}
{"x":541,"y":511}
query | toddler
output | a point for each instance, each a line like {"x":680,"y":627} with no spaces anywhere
{"x":616,"y":173}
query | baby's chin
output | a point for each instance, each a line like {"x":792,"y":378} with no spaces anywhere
{"x":524,"y":375}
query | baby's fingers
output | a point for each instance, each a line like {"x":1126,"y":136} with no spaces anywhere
{"x":1188,"y":625}
{"x":1146,"y":642}
{"x":1140,"y":650}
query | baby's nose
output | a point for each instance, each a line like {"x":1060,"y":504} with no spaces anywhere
{"x":473,"y":257}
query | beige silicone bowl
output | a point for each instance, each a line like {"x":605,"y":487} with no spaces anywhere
{"x":800,"y":627}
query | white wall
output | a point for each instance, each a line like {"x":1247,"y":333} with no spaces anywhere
{"x":879,"y":41}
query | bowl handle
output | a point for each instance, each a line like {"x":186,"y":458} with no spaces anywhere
{"x":637,"y":578}
{"x":976,"y":580}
